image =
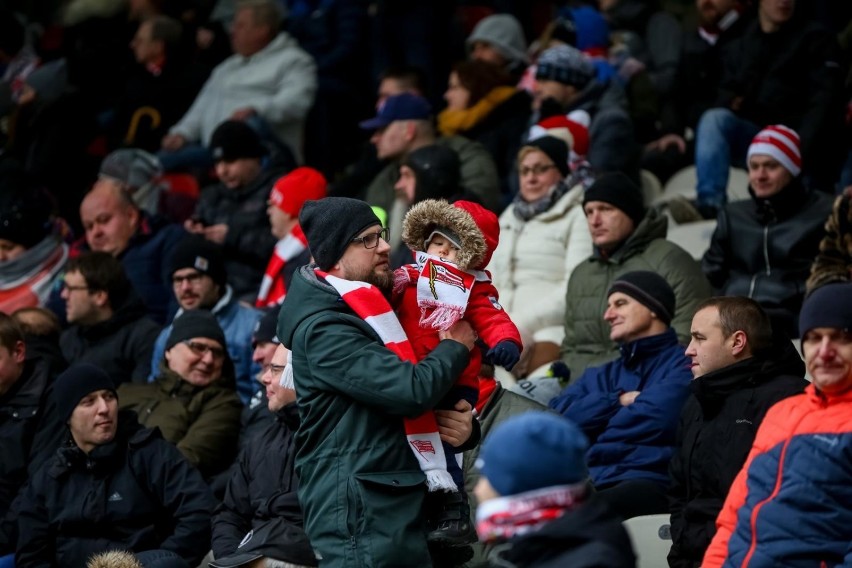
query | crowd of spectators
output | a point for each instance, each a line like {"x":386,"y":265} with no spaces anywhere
{"x":193,"y":192}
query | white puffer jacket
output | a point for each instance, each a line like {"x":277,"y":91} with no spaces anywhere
{"x":534,"y":260}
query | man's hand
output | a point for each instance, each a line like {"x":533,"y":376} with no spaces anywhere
{"x":455,"y":426}
{"x":216,"y":233}
{"x":627,"y":398}
{"x":461,"y":332}
{"x":243,"y":113}
{"x":194,"y":226}
{"x":172,"y":142}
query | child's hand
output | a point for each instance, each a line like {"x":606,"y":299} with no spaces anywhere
{"x":505,"y":354}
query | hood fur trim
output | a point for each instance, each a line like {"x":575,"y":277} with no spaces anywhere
{"x":423,"y":217}
{"x":113,"y":559}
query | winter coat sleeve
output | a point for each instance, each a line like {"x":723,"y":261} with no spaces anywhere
{"x":190,"y":125}
{"x":210,"y":441}
{"x":182,"y":493}
{"x":295,"y":93}
{"x":233,"y":516}
{"x":715,"y":263}
{"x":363,"y":369}
{"x":36,"y":539}
{"x":490,"y":322}
{"x":158,"y":352}
{"x":591,"y":402}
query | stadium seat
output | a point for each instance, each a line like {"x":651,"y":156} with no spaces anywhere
{"x":651,"y":538}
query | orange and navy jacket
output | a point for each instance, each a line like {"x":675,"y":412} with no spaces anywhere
{"x":791,"y":504}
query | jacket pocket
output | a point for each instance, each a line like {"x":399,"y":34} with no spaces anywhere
{"x":384,"y":510}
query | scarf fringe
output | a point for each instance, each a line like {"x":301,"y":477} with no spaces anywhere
{"x":443,"y":316}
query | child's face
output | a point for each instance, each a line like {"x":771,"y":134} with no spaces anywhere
{"x":441,"y":247}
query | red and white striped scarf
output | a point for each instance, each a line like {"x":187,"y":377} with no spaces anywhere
{"x":272,"y":288}
{"x":422,"y":432}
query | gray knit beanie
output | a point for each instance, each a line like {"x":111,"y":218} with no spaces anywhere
{"x":504,"y":33}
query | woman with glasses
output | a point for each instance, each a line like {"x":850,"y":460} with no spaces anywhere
{"x":193,"y":400}
{"x":543,"y":236}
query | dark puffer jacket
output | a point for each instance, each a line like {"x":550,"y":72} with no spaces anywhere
{"x":135,"y":493}
{"x":763,"y":249}
{"x":249,"y":242}
{"x":262,"y":490}
{"x":716,"y":431}
{"x":22,"y":410}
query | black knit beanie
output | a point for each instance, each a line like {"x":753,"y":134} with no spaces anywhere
{"x":438,"y":171}
{"x":617,"y":189}
{"x":556,"y":150}
{"x":330,"y":224}
{"x":234,"y":139}
{"x":827,"y":306}
{"x":195,"y":323}
{"x":76,"y":382}
{"x":197,"y":252}
{"x":649,"y":289}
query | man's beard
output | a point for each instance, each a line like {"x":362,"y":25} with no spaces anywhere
{"x":382,"y":281}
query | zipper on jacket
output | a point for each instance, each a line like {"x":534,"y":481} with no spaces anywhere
{"x":756,"y":511}
{"x":766,"y":249}
{"x":768,"y":270}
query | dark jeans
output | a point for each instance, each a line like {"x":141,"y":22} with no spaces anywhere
{"x":721,"y":141}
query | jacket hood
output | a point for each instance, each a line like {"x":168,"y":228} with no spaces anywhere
{"x":308,"y":295}
{"x":477,"y":228}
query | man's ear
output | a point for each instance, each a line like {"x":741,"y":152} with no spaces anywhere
{"x":101,"y":298}
{"x":19,"y":352}
{"x":739,"y":343}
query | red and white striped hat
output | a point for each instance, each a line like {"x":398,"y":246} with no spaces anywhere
{"x":780,"y":143}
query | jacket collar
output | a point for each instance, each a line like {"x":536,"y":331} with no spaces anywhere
{"x":636,"y":351}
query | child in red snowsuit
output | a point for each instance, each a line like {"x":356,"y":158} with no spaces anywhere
{"x":452,"y":244}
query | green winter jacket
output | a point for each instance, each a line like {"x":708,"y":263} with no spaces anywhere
{"x":361,"y":487}
{"x":204,"y":422}
{"x":586,"y":341}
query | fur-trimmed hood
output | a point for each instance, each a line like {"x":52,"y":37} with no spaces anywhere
{"x":477,"y":228}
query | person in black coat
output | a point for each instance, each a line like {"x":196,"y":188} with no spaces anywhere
{"x":740,"y":371}
{"x":535,"y":500}
{"x":114,"y":486}
{"x":109,"y":323}
{"x":260,"y":515}
{"x":763,"y":247}
{"x":24,"y":389}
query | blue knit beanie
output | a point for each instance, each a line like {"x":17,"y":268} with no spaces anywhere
{"x":532,"y":451}
{"x":827,"y":306}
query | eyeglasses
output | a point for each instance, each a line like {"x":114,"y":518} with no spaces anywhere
{"x":70,"y":288}
{"x":191,"y":278}
{"x":537,"y":169}
{"x":201,"y":349}
{"x":371,"y":241}
{"x":275,"y":369}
